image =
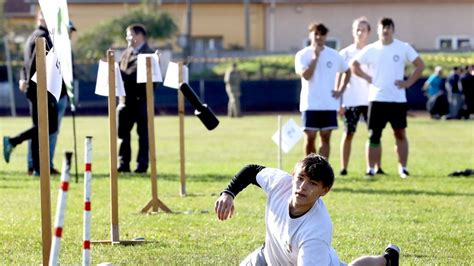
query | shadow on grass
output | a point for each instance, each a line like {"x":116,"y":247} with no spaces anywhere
{"x":399,"y":192}
{"x":168,"y":177}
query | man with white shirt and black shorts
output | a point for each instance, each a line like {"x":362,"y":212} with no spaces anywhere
{"x":355,"y":99}
{"x":386,"y":59}
{"x":317,"y":66}
{"x":298,"y":225}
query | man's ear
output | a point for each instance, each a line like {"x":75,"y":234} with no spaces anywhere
{"x":325,"y":191}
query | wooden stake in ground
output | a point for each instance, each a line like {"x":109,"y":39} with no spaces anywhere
{"x":155,"y":202}
{"x":113,"y":149}
{"x":181,"y":132}
{"x":43,"y":142}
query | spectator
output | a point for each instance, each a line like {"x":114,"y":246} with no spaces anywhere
{"x":232,"y":87}
{"x":454,"y":94}
{"x":433,"y":87}
{"x":132,"y":107}
{"x":386,"y":59}
{"x":466,"y":86}
{"x":355,"y":99}
{"x":317,"y":66}
{"x":298,"y":225}
{"x":29,"y":87}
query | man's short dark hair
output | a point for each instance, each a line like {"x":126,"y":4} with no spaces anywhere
{"x":386,"y":22}
{"x":317,"y":168}
{"x":318,"y":27}
{"x":138,"y":29}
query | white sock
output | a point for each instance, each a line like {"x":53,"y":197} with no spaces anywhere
{"x":371,"y":170}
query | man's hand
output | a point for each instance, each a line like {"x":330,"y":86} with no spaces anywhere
{"x":341,"y":111}
{"x":224,"y":207}
{"x":402,"y":84}
{"x":336,"y":94}
{"x":23,"y":85}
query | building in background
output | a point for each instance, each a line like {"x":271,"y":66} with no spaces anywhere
{"x":279,"y":25}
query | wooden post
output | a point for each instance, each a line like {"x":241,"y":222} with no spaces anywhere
{"x":43,"y":142}
{"x":154,"y":203}
{"x":113,"y":149}
{"x":181,"y":133}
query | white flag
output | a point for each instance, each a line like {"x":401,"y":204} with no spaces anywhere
{"x":155,"y":67}
{"x":171,"y":79}
{"x":53,"y":75}
{"x":56,"y":15}
{"x":291,"y":133}
{"x":102,"y":84}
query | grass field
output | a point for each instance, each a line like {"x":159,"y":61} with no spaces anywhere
{"x":429,"y":215}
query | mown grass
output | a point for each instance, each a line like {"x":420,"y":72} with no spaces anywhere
{"x":430,"y":215}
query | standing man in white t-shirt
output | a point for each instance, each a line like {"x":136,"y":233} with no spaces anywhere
{"x":355,"y":99}
{"x":386,"y":59}
{"x":298,"y":225}
{"x":317,"y":65}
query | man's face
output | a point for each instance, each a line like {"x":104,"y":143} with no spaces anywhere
{"x":385,"y":32}
{"x":132,"y":38}
{"x":306,"y":191}
{"x":317,"y":38}
{"x":361,"y":32}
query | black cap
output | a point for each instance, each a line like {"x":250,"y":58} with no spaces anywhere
{"x":71,"y":26}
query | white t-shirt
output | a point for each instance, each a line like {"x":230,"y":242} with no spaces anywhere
{"x":305,"y":240}
{"x":386,"y":64}
{"x":357,"y":90}
{"x":316,"y":93}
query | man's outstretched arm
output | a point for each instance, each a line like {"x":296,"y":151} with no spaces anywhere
{"x":224,"y":206}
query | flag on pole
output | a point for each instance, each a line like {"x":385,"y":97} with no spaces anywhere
{"x":56,"y":15}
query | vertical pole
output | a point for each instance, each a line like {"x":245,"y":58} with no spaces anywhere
{"x":60,"y":209}
{"x":113,"y":149}
{"x":247,"y":24}
{"x":150,"y":108}
{"x":9,"y":74}
{"x":272,"y":26}
{"x":86,"y":243}
{"x":43,"y":139}
{"x":181,"y":133}
{"x":279,"y":143}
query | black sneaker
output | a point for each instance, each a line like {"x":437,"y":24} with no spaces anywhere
{"x":343,"y":172}
{"x":404,"y":173}
{"x":369,"y":174}
{"x":141,"y":170}
{"x":392,"y":255}
{"x":123,"y":169}
{"x":380,"y":172}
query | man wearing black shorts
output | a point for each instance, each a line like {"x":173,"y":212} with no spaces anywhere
{"x":317,"y":65}
{"x":385,"y":60}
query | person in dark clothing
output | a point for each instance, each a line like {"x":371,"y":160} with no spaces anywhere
{"x":466,"y":86}
{"x":454,"y":94}
{"x":132,"y":107}
{"x":30,"y":87}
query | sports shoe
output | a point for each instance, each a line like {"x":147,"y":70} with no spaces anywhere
{"x":369,"y":174}
{"x":343,"y":172}
{"x":140,"y":170}
{"x":7,"y":149}
{"x":53,"y":171}
{"x":380,"y":172}
{"x":392,"y":255}
{"x":123,"y":169}
{"x":404,"y":173}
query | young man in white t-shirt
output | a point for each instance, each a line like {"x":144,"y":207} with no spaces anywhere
{"x":298,"y":225}
{"x":317,"y":65}
{"x":355,"y":99}
{"x":386,"y":59}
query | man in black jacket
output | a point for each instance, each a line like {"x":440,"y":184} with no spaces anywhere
{"x":132,"y":107}
{"x":29,"y":87}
